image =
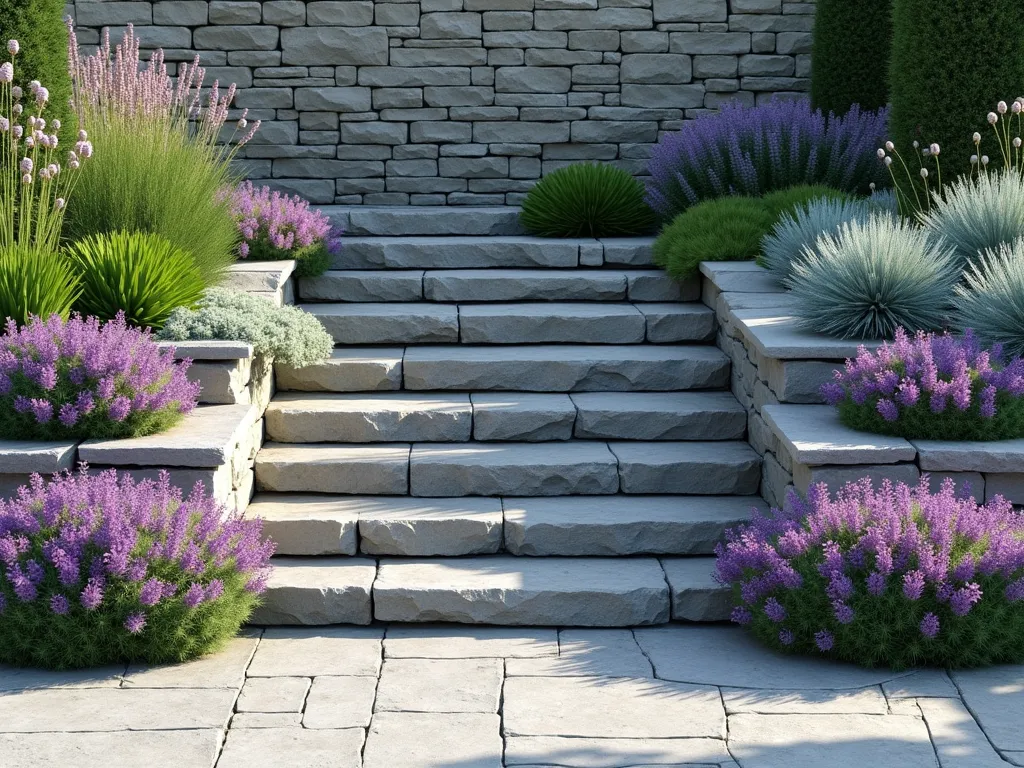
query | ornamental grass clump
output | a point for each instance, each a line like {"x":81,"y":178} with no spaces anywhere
{"x":755,"y":150}
{"x":870,"y":279}
{"x":276,"y":226}
{"x":79,"y":379}
{"x":931,"y":387}
{"x":894,"y":577}
{"x":990,"y":298}
{"x":97,"y":569}
{"x":285,"y":334}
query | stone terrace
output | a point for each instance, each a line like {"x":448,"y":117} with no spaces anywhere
{"x":466,"y":102}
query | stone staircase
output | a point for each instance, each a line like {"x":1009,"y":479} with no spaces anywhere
{"x":511,"y":430}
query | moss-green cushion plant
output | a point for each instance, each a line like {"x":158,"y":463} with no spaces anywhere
{"x":140,"y":274}
{"x":100,"y":569}
{"x":931,"y":387}
{"x":36,"y":283}
{"x":850,"y":54}
{"x":286,"y":334}
{"x":951,"y":63}
{"x":587,"y":200}
{"x":842,"y":578}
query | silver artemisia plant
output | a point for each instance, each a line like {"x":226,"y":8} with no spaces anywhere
{"x":990,"y":299}
{"x":871,"y":278}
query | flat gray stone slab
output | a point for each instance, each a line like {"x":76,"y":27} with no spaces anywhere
{"x":428,"y":527}
{"x":610,"y":708}
{"x":224,"y":669}
{"x":628,"y":251}
{"x":369,"y":369}
{"x":307,"y":652}
{"x":524,"y":285}
{"x":292,"y":748}
{"x":522,"y":416}
{"x":14,"y":679}
{"x":108,"y":709}
{"x":111,"y":749}
{"x":688,"y":468}
{"x":732,"y":300}
{"x":867,"y":701}
{"x":339,"y":702}
{"x":696,"y":595}
{"x":359,"y":285}
{"x":566,"y":368}
{"x":379,"y":468}
{"x":994,"y":456}
{"x":836,"y":476}
{"x":509,"y":590}
{"x":327,"y":590}
{"x":204,"y":438}
{"x":996,"y":697}
{"x":266,"y":720}
{"x":587,"y":653}
{"x":417,"y":740}
{"x":376,"y":418}
{"x":440,"y":685}
{"x":22,"y":457}
{"x":814,"y":435}
{"x":453,"y":642}
{"x":843,"y":741}
{"x":670,"y":323}
{"x":308,"y":525}
{"x":577,"y":752}
{"x":273,"y":695}
{"x":622,"y":525}
{"x":659,"y":415}
{"x":956,"y":736}
{"x":458,"y":252}
{"x":211,"y":349}
{"x":655,"y":285}
{"x":258,"y":276}
{"x":529,"y":469}
{"x":726,"y":656}
{"x":579,"y":323}
{"x":925,"y":684}
{"x":741,"y":276}
{"x":416,"y":322}
{"x":399,"y":221}
{"x":775,"y":333}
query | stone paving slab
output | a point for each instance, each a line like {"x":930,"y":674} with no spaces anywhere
{"x":226,"y":669}
{"x":587,"y":653}
{"x":365,"y":369}
{"x":266,"y":720}
{"x":415,"y":740}
{"x":112,"y":749}
{"x":454,"y":642}
{"x":867,"y":701}
{"x":925,"y":683}
{"x":537,"y":751}
{"x":814,"y":435}
{"x":292,"y":748}
{"x":303,"y":652}
{"x":995,"y":696}
{"x":440,"y":685}
{"x":273,"y":695}
{"x":14,"y":679}
{"x":958,"y":740}
{"x":340,"y":702}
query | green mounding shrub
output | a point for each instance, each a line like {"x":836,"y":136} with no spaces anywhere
{"x":870,"y":279}
{"x":726,"y":229}
{"x":990,"y":299}
{"x":587,"y":200}
{"x":951,"y":63}
{"x":788,"y":200}
{"x":850,"y":55}
{"x":142,"y":275}
{"x":286,"y":334}
{"x":980,"y":214}
{"x":147,"y":178}
{"x":100,"y":570}
{"x":39,"y":28}
{"x":36,"y":283}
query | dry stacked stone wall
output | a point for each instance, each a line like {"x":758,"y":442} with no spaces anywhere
{"x":466,"y":102}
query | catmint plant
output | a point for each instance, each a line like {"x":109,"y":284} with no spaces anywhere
{"x":97,"y":568}
{"x":894,"y":576}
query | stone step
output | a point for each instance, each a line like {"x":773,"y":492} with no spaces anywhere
{"x":688,"y":468}
{"x":659,"y":416}
{"x":568,"y":368}
{"x":586,"y":592}
{"x":417,"y":322}
{"x":621,"y":525}
{"x":540,"y":323}
{"x":522,"y":416}
{"x":366,"y":369}
{"x":403,"y":221}
{"x":479,"y":285}
{"x":379,"y":469}
{"x":318,"y":591}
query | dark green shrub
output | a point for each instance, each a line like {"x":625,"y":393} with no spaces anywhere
{"x":726,"y":229}
{"x":587,"y":200}
{"x":788,"y":200}
{"x":951,"y":63}
{"x":140,"y":274}
{"x":850,"y":57}
{"x":36,"y":283}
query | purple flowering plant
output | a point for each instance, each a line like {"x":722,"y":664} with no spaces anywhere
{"x":931,"y":386}
{"x":78,"y":379}
{"x":897,"y":576}
{"x":276,"y":226}
{"x":754,"y":150}
{"x":98,"y":568}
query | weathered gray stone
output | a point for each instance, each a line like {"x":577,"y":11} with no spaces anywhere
{"x":417,"y":740}
{"x":326,"y":590}
{"x":995,"y":456}
{"x":13,"y":679}
{"x":605,"y":752}
{"x":774,"y":333}
{"x":628,"y":251}
{"x":293,"y":748}
{"x":339,"y":702}
{"x":423,"y":528}
{"x":649,"y":285}
{"x":21,"y":457}
{"x":656,"y":68}
{"x":334,"y":45}
{"x":688,"y":468}
{"x":696,"y":594}
{"x":378,"y":468}
{"x":529,"y":417}
{"x":224,"y":669}
{"x":587,"y":653}
{"x":1009,"y":485}
{"x":440,"y":685}
{"x":307,"y":525}
{"x":995,"y":695}
{"x":637,"y":95}
{"x":358,"y":285}
{"x":813,"y":435}
{"x":427,"y":221}
{"x":659,"y":416}
{"x":925,"y":684}
{"x":353,"y":13}
{"x":266,"y":720}
{"x":455,"y":642}
{"x":551,"y":322}
{"x":348,"y":99}
{"x":222,"y":382}
{"x":234,"y":38}
{"x":190,"y":13}
{"x":678,"y":322}
{"x":284,"y":13}
{"x":532,"y":79}
{"x":835,"y":477}
{"x":956,"y":736}
{"x":301,"y":652}
{"x":365,"y":369}
{"x":273,"y":694}
{"x":868,"y":701}
{"x":526,"y":591}
{"x":456,"y":253}
{"x":388,"y":323}
{"x":182,"y":748}
{"x":523,"y":285}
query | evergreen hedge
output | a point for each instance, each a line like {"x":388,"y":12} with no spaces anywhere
{"x":850,"y":56}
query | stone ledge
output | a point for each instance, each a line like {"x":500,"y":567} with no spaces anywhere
{"x":23,"y":457}
{"x":259,"y":276}
{"x":210,"y":350}
{"x":740,"y":276}
{"x":774,"y":333}
{"x":953,"y":456}
{"x":814,"y":436}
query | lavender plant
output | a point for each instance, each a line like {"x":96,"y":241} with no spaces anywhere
{"x":932,"y":387}
{"x":896,"y":576}
{"x":275,"y":226}
{"x":80,"y":379}
{"x":754,"y":150}
{"x":97,"y":569}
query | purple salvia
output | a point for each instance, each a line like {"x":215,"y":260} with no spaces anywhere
{"x":930,"y":625}
{"x":135,"y":623}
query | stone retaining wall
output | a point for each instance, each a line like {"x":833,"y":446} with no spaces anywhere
{"x":466,"y":102}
